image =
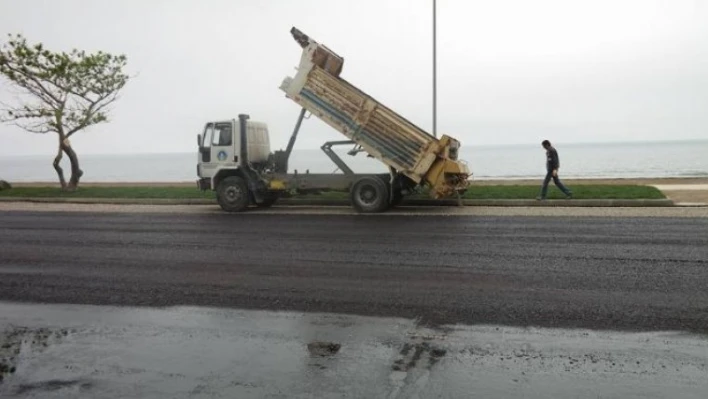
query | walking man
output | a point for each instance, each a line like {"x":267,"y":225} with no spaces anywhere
{"x":552,"y":166}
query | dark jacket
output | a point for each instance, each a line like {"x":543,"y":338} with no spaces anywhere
{"x":552,"y":160}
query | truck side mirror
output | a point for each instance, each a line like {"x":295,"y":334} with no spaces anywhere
{"x":199,"y":140}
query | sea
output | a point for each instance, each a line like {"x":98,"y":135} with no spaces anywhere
{"x":578,"y":161}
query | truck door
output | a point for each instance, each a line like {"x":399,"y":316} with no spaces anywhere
{"x":222,"y":144}
{"x":205,"y":167}
{"x":205,"y":144}
{"x":216,"y":148}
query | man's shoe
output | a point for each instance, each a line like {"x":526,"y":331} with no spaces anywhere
{"x":569,"y":196}
{"x":539,"y":198}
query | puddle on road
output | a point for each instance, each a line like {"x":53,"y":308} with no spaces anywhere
{"x":323,"y":349}
{"x":51,"y":386}
{"x":19,"y":342}
{"x":90,"y":351}
{"x":411,"y":354}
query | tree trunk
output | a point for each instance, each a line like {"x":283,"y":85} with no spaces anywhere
{"x":60,"y":171}
{"x":76,"y":172}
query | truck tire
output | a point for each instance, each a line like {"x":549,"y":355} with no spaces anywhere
{"x":397,"y":198}
{"x":397,"y":194}
{"x":232,"y":194}
{"x":268,"y":201}
{"x":369,"y":195}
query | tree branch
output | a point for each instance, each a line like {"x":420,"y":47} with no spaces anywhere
{"x":18,"y":114}
{"x":92,"y":111}
{"x":39,"y":128}
{"x":38,"y":91}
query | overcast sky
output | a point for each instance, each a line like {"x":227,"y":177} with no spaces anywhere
{"x":509,"y":72}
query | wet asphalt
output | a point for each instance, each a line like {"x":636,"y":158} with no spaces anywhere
{"x":84,"y":351}
{"x":640,"y":274}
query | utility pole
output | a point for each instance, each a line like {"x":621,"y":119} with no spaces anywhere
{"x":435,"y":86}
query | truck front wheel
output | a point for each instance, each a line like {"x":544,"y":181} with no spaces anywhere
{"x":232,"y":194}
{"x":370,"y":195}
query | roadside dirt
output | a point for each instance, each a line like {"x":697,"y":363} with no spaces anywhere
{"x":644,"y":181}
{"x":687,"y":196}
{"x":110,"y":184}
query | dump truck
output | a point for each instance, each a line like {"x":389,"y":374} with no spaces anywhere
{"x":235,"y":159}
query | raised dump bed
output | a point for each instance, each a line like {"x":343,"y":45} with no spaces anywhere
{"x":406,"y":148}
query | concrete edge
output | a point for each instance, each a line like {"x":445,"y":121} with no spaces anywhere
{"x":112,"y":201}
{"x":691,"y":204}
{"x":335,"y":202}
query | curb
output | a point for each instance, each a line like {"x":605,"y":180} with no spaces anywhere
{"x":503,"y":203}
{"x":691,"y":204}
{"x":112,"y":201}
{"x":333,"y":202}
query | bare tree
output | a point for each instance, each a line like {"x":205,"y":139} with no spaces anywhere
{"x":62,"y":92}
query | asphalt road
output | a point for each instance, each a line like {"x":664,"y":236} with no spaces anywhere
{"x":616,"y":273}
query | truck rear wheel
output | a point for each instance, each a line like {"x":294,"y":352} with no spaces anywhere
{"x":369,"y":195}
{"x":232,"y":194}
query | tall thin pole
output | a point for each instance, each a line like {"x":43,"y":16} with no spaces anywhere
{"x":435,"y":86}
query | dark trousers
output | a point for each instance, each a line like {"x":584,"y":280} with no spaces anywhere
{"x":556,"y":181}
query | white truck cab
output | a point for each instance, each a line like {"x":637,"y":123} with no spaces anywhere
{"x":220,"y":149}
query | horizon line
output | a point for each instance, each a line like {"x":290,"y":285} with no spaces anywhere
{"x":675,"y":141}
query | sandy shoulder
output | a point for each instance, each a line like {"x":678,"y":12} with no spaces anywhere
{"x":689,"y":212}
